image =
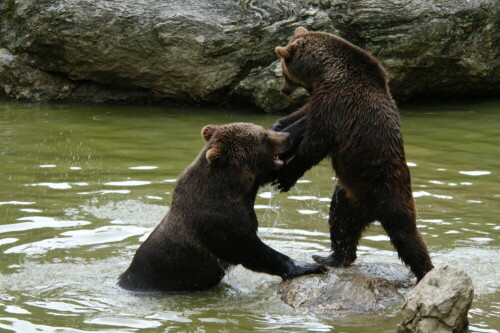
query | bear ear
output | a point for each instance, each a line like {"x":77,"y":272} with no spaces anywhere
{"x":208,"y":131}
{"x":213,"y":154}
{"x":283,"y":52}
{"x":300,"y":31}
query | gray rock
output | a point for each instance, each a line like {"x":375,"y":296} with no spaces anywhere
{"x":217,"y":51}
{"x":262,"y":88}
{"x":370,"y":289}
{"x":439,"y":303}
{"x":22,"y":82}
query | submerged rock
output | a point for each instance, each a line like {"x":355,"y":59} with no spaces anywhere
{"x":439,"y":303}
{"x":371,"y":289}
{"x":221,"y":51}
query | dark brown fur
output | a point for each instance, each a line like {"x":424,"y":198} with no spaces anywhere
{"x":212,"y":222}
{"x":352,"y":118}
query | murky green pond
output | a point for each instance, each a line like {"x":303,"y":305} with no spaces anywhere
{"x":82,"y":186}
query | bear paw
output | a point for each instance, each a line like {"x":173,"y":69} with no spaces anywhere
{"x":277,"y":126}
{"x":285,"y":179}
{"x":303,"y":268}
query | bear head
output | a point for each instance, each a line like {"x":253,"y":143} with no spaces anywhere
{"x":247,"y":147}
{"x":311,"y":59}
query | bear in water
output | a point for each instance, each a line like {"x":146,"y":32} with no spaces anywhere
{"x":211,"y":222}
{"x":351,"y":117}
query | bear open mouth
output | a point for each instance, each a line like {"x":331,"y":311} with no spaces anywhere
{"x":278,"y":163}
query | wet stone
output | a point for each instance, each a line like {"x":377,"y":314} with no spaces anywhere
{"x":370,"y":288}
{"x":439,"y":303}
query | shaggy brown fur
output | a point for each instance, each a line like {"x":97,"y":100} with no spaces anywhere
{"x":212,"y":222}
{"x":352,"y":118}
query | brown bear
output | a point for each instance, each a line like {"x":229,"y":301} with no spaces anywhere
{"x":352,"y":118}
{"x":211,"y":222}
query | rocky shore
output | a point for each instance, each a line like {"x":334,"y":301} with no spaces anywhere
{"x":222,"y":52}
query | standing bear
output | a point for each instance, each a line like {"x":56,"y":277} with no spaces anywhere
{"x":351,"y":117}
{"x":211,"y":222}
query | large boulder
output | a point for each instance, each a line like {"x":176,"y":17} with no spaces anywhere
{"x":439,"y":303}
{"x":369,"y":289}
{"x":23,"y":82}
{"x":218,"y":51}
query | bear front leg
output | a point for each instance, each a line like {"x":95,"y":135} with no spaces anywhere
{"x":313,"y":148}
{"x":347,"y":222}
{"x":296,"y":134}
{"x":309,"y":153}
{"x":246,"y":248}
{"x":286,"y":178}
{"x":281,"y":123}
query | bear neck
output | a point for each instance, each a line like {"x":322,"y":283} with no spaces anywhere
{"x":205,"y":180}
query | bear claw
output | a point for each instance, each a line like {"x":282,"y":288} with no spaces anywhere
{"x":304,"y":268}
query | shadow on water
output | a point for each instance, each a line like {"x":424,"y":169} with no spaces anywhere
{"x":83,"y":186}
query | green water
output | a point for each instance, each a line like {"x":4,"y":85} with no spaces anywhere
{"x":82,"y":186}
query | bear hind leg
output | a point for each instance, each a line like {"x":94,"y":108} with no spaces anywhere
{"x":347,"y":222}
{"x":402,"y":230}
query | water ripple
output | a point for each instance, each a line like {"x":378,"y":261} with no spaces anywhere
{"x":16,"y":203}
{"x":78,"y":238}
{"x":129,"y":183}
{"x":143,"y":167}
{"x":475,"y":173}
{"x":125,"y":322}
{"x":40,"y":222}
{"x":55,"y":186}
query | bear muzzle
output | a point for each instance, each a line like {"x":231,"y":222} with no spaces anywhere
{"x":286,"y":145}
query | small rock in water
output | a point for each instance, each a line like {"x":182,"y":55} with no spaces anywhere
{"x":439,"y":303}
{"x":373,"y":288}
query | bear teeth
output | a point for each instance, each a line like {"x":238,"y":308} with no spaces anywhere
{"x":277,"y":161}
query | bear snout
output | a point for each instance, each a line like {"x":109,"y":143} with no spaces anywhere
{"x":282,"y":141}
{"x":286,"y":149}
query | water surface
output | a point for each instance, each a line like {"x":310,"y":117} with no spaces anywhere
{"x":83,"y":186}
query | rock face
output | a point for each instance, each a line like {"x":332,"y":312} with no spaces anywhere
{"x":439,"y":303}
{"x":371,"y":289}
{"x":23,"y":82}
{"x":218,"y":51}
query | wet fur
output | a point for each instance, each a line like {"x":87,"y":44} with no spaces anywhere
{"x":211,"y":222}
{"x":352,"y":118}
